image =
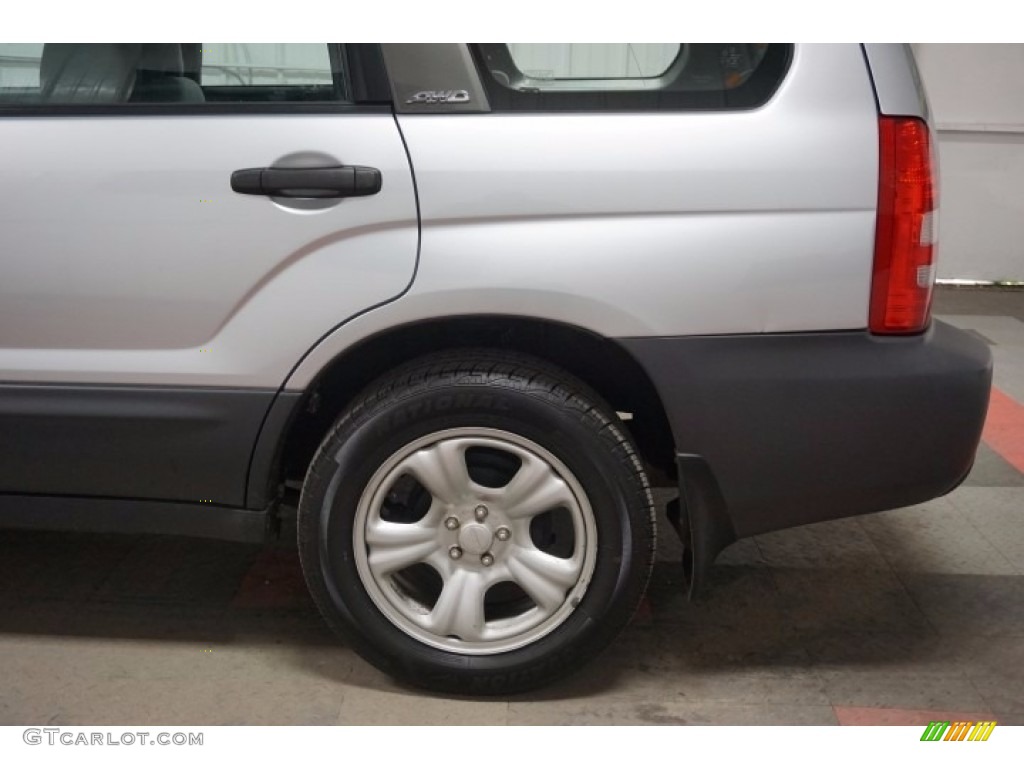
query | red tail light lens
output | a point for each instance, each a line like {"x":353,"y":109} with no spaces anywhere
{"x":901,"y":287}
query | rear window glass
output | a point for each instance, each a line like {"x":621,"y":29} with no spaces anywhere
{"x":586,"y":64}
{"x":630,"y":76}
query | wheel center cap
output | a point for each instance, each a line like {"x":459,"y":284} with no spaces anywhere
{"x":475,"y":539}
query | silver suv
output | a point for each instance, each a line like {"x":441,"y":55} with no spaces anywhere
{"x":472,"y":302}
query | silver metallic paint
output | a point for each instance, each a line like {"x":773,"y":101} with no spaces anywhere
{"x":897,"y":82}
{"x":625,"y":225}
{"x":127,"y":258}
{"x":649,"y":224}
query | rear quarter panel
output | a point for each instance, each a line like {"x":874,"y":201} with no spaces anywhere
{"x":646,"y":224}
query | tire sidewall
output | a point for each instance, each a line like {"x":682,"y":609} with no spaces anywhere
{"x":586,"y":446}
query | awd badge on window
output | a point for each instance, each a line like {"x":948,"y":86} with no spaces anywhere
{"x":439,"y":97}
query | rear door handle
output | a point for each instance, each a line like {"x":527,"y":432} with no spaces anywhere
{"x":334,"y":181}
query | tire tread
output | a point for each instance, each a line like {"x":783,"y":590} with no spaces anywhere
{"x":501,"y":370}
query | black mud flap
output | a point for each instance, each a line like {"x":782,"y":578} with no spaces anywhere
{"x":700,"y":518}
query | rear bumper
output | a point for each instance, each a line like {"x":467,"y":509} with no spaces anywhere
{"x":799,"y":428}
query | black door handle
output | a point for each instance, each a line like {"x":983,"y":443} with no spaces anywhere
{"x":335,"y":181}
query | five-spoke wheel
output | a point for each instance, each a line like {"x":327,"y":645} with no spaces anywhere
{"x":504,"y":528}
{"x":477,"y":523}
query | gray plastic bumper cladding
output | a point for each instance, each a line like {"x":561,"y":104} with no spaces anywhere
{"x":779,"y":430}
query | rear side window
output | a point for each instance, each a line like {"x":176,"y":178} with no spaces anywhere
{"x":630,"y":76}
{"x":586,"y":65}
{"x":193,"y":74}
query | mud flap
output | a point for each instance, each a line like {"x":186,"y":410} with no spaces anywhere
{"x":700,"y":519}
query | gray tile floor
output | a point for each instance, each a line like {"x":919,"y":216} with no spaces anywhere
{"x":883,"y":618}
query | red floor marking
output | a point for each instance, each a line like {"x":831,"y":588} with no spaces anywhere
{"x":1004,"y":428}
{"x":274,"y":581}
{"x":921,"y":717}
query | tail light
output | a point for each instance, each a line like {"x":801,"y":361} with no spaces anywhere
{"x":904,"y":271}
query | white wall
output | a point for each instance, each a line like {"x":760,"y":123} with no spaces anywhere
{"x":977,"y":97}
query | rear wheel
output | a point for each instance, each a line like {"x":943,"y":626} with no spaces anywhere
{"x":477,"y":524}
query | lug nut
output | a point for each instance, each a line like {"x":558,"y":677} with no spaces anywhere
{"x":503,"y":534}
{"x":487,"y":560}
{"x":451,"y":523}
{"x":480,"y":512}
{"x":455,"y":553}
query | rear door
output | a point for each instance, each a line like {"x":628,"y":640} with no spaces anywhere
{"x":150,"y":306}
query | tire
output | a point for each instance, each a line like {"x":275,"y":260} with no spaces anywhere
{"x":477,"y":523}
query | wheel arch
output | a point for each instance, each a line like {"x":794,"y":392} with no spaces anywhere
{"x":298,"y":421}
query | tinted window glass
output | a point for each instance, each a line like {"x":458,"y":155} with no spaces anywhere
{"x":583,"y":62}
{"x":630,"y":76}
{"x":19,"y":66}
{"x":265,"y":64}
{"x":111,"y":74}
